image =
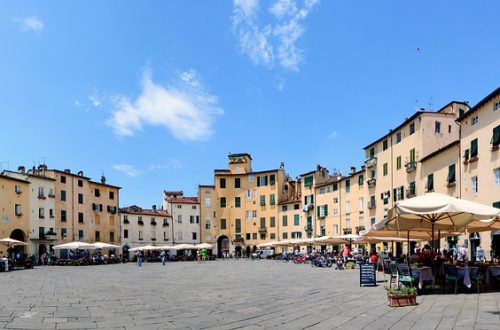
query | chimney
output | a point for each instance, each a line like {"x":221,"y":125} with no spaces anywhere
{"x":21,"y":169}
{"x":353,"y":170}
{"x":80,"y":173}
{"x":67,"y":171}
{"x":103,"y":179}
{"x":154,"y":207}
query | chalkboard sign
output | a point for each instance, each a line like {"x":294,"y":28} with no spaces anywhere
{"x":367,"y":274}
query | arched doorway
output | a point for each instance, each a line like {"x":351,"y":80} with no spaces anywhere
{"x":237,"y":251}
{"x":222,"y":246}
{"x":126,"y":252}
{"x":18,"y":250}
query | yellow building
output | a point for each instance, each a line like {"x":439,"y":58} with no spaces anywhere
{"x":14,"y":212}
{"x":480,"y":165}
{"x":207,"y":198}
{"x":245,"y":205}
{"x":85,"y":210}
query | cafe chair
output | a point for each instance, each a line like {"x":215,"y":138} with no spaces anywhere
{"x":476,"y":276}
{"x":393,"y":271}
{"x":451,"y":275}
{"x":404,"y":275}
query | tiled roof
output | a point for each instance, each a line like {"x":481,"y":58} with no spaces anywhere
{"x":185,"y":200}
{"x":134,"y":209}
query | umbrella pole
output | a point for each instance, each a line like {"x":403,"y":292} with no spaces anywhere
{"x":439,"y":239}
{"x":432,"y":228}
{"x":408,"y":247}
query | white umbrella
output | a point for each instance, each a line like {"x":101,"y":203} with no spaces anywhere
{"x":267,"y":244}
{"x":166,"y":247}
{"x":184,"y":247}
{"x":11,"y":242}
{"x":328,"y":240}
{"x":102,"y":245}
{"x":204,"y":246}
{"x":75,"y":245}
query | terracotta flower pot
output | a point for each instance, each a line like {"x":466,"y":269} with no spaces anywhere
{"x":400,"y":301}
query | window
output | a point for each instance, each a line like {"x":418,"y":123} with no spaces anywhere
{"x":347,"y":206}
{"x":474,"y":120}
{"x":262,"y":222}
{"x":262,"y":200}
{"x":309,"y":199}
{"x":296,"y":219}
{"x":63,"y":195}
{"x":237,"y":182}
{"x":272,"y":236}
{"x":272,"y":199}
{"x":412,"y":128}
{"x":272,"y":179}
{"x":192,"y":219}
{"x":308,"y":181}
{"x":41,"y":192}
{"x":165,"y":222}
{"x":247,"y":214}
{"x":208,"y":223}
{"x":179,"y":206}
{"x":496,"y":204}
{"x":41,"y":232}
{"x":222,"y":223}
{"x":262,"y":181}
{"x":179,"y":235}
{"x":63,"y":233}
{"x":80,"y":183}
{"x":372,"y":221}
{"x":237,"y":202}
{"x":179,"y":218}
{"x":474,"y":184}
{"x":398,"y":162}
{"x":250,"y":178}
{"x":254,"y":193}
{"x":272,"y":222}
{"x":254,"y":236}
{"x":125,"y":233}
{"x":335,"y":229}
{"x":285,"y":221}
{"x":496,"y":176}
{"x":111,"y":195}
{"x":193,"y":207}
{"x":207,"y":202}
{"x":473,"y":148}
{"x":80,"y":198}
{"x":223,"y":202}
{"x":385,"y":144}
{"x":63,"y":179}
{"x":285,"y":235}
{"x":18,"y":189}
{"x":361,"y":179}
{"x":449,"y":129}
{"x":97,"y":193}
{"x":335,"y":211}
{"x":335,"y":187}
{"x":437,"y":127}
{"x":398,"y":137}
{"x":386,"y":169}
{"x":496,"y":106}
{"x":41,"y":212}
{"x":296,"y":206}
{"x":412,"y":155}
{"x":97,"y":236}
{"x":284,"y":208}
{"x":63,"y":216}
{"x":80,"y":217}
{"x":222,"y":183}
{"x":335,"y":200}
{"x":322,"y":211}
{"x":254,"y":214}
{"x":495,"y":139}
{"x":51,"y":213}
{"x":347,"y":185}
{"x":451,"y":174}
{"x":430,"y":183}
{"x":348,"y":222}
{"x":193,"y":235}
{"x":361,"y":203}
{"x":80,"y":234}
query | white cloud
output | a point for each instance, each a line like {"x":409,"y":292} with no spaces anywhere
{"x":275,"y":42}
{"x":129,"y":170}
{"x":32,"y":23}
{"x":184,"y":109}
{"x":95,"y":101}
{"x":333,"y":135}
{"x":173,"y":164}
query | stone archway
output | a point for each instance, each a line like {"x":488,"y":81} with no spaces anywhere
{"x":222,"y":246}
{"x":19,"y":235}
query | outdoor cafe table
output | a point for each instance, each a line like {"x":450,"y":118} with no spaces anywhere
{"x":491,"y":271}
{"x":424,"y":275}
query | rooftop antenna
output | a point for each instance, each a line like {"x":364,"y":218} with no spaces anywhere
{"x":430,"y":103}
{"x":416,"y":108}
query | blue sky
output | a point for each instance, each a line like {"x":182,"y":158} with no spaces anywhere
{"x":155,"y":94}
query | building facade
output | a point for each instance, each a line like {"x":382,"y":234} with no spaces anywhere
{"x":185,"y":213}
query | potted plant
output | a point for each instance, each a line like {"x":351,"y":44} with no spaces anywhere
{"x":404,"y":296}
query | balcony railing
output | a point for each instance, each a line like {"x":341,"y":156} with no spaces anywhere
{"x":140,"y":222}
{"x":347,"y":231}
{"x":371,"y":205}
{"x":153,"y":223}
{"x":411,"y":166}
{"x":262,"y":230}
{"x":371,"y":182}
{"x":371,"y":162}
{"x":308,"y":229}
{"x":126,"y":221}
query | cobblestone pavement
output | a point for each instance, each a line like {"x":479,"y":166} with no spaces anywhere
{"x":231,"y":294}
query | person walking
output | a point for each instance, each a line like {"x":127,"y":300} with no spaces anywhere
{"x":162,"y":256}
{"x":480,"y":254}
{"x":203,"y":255}
{"x":138,"y":255}
{"x":346,"y":251}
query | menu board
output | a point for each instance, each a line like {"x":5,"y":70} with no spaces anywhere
{"x":367,"y":274}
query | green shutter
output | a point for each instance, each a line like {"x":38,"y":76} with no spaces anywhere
{"x":326,"y":210}
{"x":451,"y":173}
{"x":473,"y":148}
{"x":317,"y":211}
{"x":430,"y":182}
{"x":360,"y":180}
{"x":496,"y":204}
{"x":495,"y":140}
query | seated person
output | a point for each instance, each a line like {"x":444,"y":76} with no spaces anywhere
{"x":340,"y":264}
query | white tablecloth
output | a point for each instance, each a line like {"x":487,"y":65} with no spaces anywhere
{"x":464,"y":273}
{"x":424,"y":275}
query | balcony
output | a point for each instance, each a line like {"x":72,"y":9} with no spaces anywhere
{"x":165,"y":224}
{"x":125,"y":221}
{"x":411,"y":166}
{"x":308,"y":229}
{"x":360,"y":228}
{"x":371,"y":162}
{"x":371,"y":182}
{"x":347,"y":231}
{"x":153,"y":238}
{"x":153,"y":223}
{"x":451,"y":184}
{"x":262,"y":230}
{"x":140,"y":222}
{"x":51,"y":195}
{"x":239,"y":240}
{"x":40,"y":196}
{"x":371,"y":205}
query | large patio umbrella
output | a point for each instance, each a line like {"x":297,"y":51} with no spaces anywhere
{"x":349,"y":237}
{"x":184,"y":247}
{"x":102,"y":245}
{"x":75,"y":245}
{"x":434,"y":211}
{"x":11,"y":242}
{"x":268,"y":244}
{"x":204,"y":246}
{"x":328,"y":240}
